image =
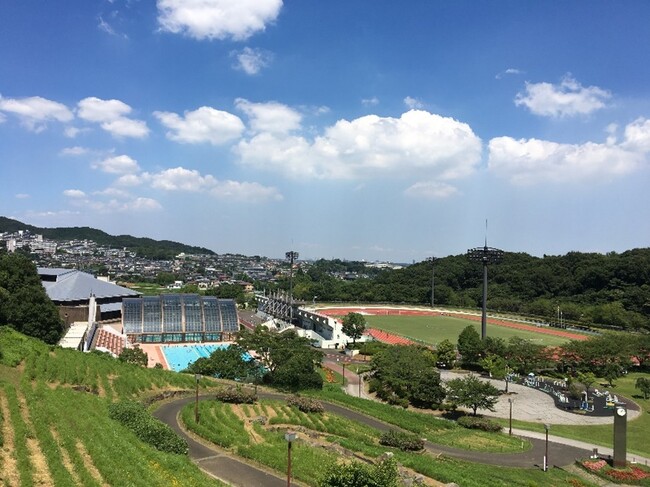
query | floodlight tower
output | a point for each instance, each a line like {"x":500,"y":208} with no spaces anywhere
{"x":291,"y":256}
{"x":486,"y":255}
{"x":433,"y":278}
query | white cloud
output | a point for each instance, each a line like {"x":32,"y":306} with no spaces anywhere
{"x":74,"y":193}
{"x":97,"y":110}
{"x":130,"y":180}
{"x":529,"y":161}
{"x":637,"y":135}
{"x":245,"y":192}
{"x":142,"y":204}
{"x":431,"y":190}
{"x":270,"y":117}
{"x":508,"y":71}
{"x":204,"y":124}
{"x":22,"y":196}
{"x":182,"y":179}
{"x":217,"y":19}
{"x":370,"y":102}
{"x":566,"y":99}
{"x":72,"y":132}
{"x":413,"y":103}
{"x":74,"y":151}
{"x":118,"y":165}
{"x":108,"y":28}
{"x":370,"y":146}
{"x":251,"y":61}
{"x":113,"y":192}
{"x":111,"y":115}
{"x":35,"y":112}
{"x":3,"y":118}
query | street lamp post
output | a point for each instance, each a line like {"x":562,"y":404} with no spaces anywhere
{"x":546,"y":428}
{"x":290,"y":436}
{"x":510,"y":401}
{"x":196,"y":402}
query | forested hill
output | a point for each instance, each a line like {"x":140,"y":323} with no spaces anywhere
{"x":144,"y":247}
{"x":611,"y":289}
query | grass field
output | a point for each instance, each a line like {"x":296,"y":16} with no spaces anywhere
{"x":434,"y":329}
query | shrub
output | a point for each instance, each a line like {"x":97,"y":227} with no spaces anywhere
{"x":236,"y":395}
{"x":305,"y":404}
{"x":402,"y":440}
{"x":483,"y":424}
{"x":150,"y":430}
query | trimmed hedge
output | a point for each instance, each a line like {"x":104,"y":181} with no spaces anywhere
{"x":483,"y":424}
{"x":305,"y":404}
{"x":135,"y":417}
{"x":236,"y":395}
{"x":402,"y":440}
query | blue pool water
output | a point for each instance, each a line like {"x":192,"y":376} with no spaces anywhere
{"x":179,"y":357}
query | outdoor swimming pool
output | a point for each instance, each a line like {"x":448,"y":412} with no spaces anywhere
{"x":179,"y":357}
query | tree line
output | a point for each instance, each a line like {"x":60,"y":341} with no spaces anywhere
{"x":611,"y":290}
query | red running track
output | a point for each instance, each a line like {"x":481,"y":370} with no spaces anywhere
{"x":412,"y":312}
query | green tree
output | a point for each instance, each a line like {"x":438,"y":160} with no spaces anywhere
{"x":525,"y":356}
{"x":643,"y":384}
{"x":354,"y":324}
{"x":446,"y":354}
{"x":24,"y":304}
{"x":404,"y":374}
{"x":587,"y":379}
{"x":290,"y":360}
{"x":135,"y":356}
{"x":473,"y":393}
{"x":226,"y":363}
{"x":470,"y":346}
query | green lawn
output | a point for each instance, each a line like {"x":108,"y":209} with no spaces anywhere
{"x":434,"y":329}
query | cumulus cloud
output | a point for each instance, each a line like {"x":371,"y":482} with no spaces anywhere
{"x":270,"y":117}
{"x":204,"y":124}
{"x":568,"y":98}
{"x":251,"y":61}
{"x":182,"y":179}
{"x":118,"y":165}
{"x":74,"y":193}
{"x":529,"y":161}
{"x":370,"y":146}
{"x":142,"y":204}
{"x":431,"y":190}
{"x":112,"y":117}
{"x":370,"y":102}
{"x":35,"y":112}
{"x":413,"y":103}
{"x":217,"y":19}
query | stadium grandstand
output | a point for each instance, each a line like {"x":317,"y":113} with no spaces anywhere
{"x":179,"y":318}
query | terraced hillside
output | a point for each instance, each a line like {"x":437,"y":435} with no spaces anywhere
{"x":54,"y":423}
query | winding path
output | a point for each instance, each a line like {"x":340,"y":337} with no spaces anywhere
{"x":234,"y":471}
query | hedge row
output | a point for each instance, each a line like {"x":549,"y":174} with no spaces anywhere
{"x":483,"y":424}
{"x":236,"y":395}
{"x":135,"y":417}
{"x":402,"y":440}
{"x":306,"y":404}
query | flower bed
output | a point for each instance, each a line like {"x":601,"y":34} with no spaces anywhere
{"x":631,"y":474}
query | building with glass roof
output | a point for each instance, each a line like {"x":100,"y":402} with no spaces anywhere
{"x":170,"y":318}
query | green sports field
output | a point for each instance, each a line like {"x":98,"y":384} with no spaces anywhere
{"x":434,"y":329}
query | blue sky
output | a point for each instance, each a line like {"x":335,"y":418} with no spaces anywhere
{"x":374,"y":130}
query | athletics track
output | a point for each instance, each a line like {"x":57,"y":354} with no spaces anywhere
{"x":342,"y":311}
